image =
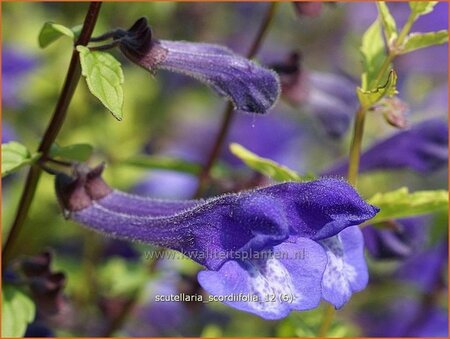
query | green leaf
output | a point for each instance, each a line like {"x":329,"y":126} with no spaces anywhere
{"x":421,"y":40}
{"x":76,"y":152}
{"x":104,"y":78}
{"x":266,"y":166}
{"x":164,"y":162}
{"x":422,"y":7}
{"x":389,"y":25}
{"x":131,"y":274}
{"x":15,"y":156}
{"x":51,"y":32}
{"x":368,"y":98}
{"x":373,"y":54}
{"x":401,"y":203}
{"x":18,"y":311}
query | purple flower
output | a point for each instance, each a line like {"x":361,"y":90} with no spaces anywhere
{"x":403,"y":317}
{"x":250,"y":241}
{"x":422,"y":148}
{"x":8,"y":133}
{"x":15,"y":66}
{"x":272,"y":136}
{"x":346,"y":270}
{"x":251,"y":88}
{"x":330,"y":97}
{"x":404,"y":238}
{"x":425,"y":268}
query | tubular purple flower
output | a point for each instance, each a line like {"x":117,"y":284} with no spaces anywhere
{"x":422,"y":148}
{"x":241,"y":235}
{"x":250,"y":87}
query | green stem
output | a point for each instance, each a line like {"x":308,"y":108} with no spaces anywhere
{"x":228,"y":114}
{"x":71,"y":81}
{"x":358,"y":129}
{"x":327,"y":319}
{"x":405,"y":30}
{"x":355,"y":145}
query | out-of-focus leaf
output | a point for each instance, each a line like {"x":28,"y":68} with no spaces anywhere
{"x":369,"y":98}
{"x":401,"y":203}
{"x":51,"y":32}
{"x":164,"y":162}
{"x":104,"y":78}
{"x":18,"y":311}
{"x":119,"y":277}
{"x":421,"y":40}
{"x":76,"y":152}
{"x":373,"y":54}
{"x":266,"y":166}
{"x":307,"y":324}
{"x":15,"y":156}
{"x":422,"y":7}
{"x":389,"y":25}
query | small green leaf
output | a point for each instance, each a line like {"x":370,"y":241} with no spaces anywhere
{"x":104,"y":78}
{"x":401,"y":203}
{"x":421,"y":40}
{"x":368,"y":98}
{"x":373,"y":54}
{"x":76,"y":152}
{"x":422,"y":7}
{"x":389,"y":25}
{"x":18,"y":311}
{"x":51,"y":32}
{"x":15,"y":156}
{"x":164,"y":162}
{"x":266,"y":166}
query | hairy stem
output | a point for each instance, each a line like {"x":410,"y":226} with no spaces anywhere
{"x":53,"y":128}
{"x":228,"y":113}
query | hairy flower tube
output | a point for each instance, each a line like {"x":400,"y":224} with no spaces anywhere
{"x":250,"y":87}
{"x":287,"y":245}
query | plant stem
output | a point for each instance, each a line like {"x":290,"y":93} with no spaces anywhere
{"x":53,"y":128}
{"x":327,"y":319}
{"x":358,"y":129}
{"x":355,"y":146}
{"x":228,"y":113}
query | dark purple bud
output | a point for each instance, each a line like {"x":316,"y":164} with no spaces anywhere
{"x":241,"y":222}
{"x":422,"y":148}
{"x":47,"y":292}
{"x":46,"y":286}
{"x":37,"y":265}
{"x":293,"y":81}
{"x":138,"y":46}
{"x":249,"y":86}
{"x":306,"y":8}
